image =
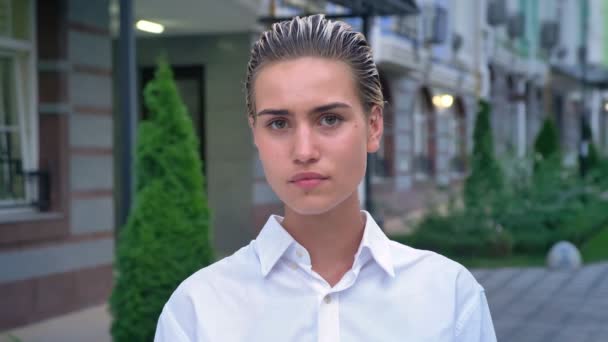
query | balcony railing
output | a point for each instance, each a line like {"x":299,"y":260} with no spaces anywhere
{"x":21,"y":189}
{"x":458,"y":164}
{"x":422,"y":164}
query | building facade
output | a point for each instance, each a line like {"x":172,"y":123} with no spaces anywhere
{"x":56,"y":191}
{"x":60,"y":123}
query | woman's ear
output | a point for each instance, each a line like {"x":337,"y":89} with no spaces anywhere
{"x":251,"y":121}
{"x":375,"y":124}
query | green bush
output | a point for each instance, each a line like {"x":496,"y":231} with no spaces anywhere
{"x":520,"y":206}
{"x":598,"y":174}
{"x":531,"y":212}
{"x":586,"y":222}
{"x":546,"y":145}
{"x":485,"y":179}
{"x":459,"y":234}
{"x":167,"y":236}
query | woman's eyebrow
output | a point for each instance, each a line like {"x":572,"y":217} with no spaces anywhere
{"x":273,"y":112}
{"x":330,"y":106}
{"x":319,"y":109}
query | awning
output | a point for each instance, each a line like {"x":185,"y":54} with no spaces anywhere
{"x":364,"y":9}
{"x":380,"y":7}
{"x":596,"y":76}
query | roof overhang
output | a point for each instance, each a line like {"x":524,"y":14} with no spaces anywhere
{"x":594,"y":75}
{"x":380,"y":7}
{"x":364,"y":8}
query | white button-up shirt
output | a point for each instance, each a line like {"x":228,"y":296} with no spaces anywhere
{"x":268,"y":291}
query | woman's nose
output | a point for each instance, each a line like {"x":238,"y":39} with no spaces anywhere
{"x":304,"y":146}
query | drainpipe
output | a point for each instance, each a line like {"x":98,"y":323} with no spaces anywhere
{"x":584,"y":115}
{"x":128,"y":107}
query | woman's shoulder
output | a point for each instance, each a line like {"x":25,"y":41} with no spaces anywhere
{"x":221,"y":275}
{"x":430,"y":264}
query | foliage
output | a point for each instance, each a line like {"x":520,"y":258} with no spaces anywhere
{"x":521,"y":209}
{"x":534,"y":211}
{"x":13,"y":338}
{"x":459,"y":234}
{"x":166,"y":238}
{"x":485,"y":179}
{"x":595,"y":249}
{"x":546,"y":145}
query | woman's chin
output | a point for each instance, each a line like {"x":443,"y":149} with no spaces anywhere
{"x":312,"y":206}
{"x":307,"y":206}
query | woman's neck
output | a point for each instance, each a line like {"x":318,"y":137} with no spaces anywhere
{"x":331,"y":238}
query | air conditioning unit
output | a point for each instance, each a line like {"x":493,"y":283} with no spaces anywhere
{"x":516,"y":25}
{"x":581,"y":54}
{"x":561,"y":53}
{"x":497,"y":12}
{"x":406,"y":26}
{"x":549,"y":35}
{"x":457,"y":41}
{"x":435,"y":24}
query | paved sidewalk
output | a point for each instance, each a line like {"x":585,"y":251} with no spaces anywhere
{"x":539,"y":305}
{"x":89,"y":325}
{"x":527,"y":304}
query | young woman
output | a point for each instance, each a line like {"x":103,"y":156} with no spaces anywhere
{"x":325,"y":271}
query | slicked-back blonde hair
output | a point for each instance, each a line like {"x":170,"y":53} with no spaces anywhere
{"x":315,"y":36}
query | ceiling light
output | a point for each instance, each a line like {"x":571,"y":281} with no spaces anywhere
{"x":443,"y":101}
{"x":447,"y":101}
{"x":149,"y":26}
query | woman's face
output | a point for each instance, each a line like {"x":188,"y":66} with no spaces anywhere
{"x":312,"y":133}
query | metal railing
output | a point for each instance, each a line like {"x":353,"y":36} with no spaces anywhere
{"x":422,"y":164}
{"x":20,"y":188}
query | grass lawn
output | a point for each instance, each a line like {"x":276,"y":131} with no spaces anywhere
{"x":596,"y":249}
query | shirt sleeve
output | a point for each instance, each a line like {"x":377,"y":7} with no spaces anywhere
{"x":475,"y":324}
{"x":169,"y":330}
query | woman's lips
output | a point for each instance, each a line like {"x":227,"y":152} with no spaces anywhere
{"x":308,"y":184}
{"x":308,"y":180}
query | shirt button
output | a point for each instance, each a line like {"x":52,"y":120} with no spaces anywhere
{"x":293,"y":265}
{"x":327,"y":299}
{"x":299,"y":253}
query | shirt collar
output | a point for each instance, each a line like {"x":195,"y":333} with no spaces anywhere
{"x":273,"y":241}
{"x":377,"y":243}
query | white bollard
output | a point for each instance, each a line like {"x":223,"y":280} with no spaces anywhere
{"x":564,"y":256}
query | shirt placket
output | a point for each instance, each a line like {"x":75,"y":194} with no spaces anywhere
{"x":328,"y":299}
{"x":329,"y":318}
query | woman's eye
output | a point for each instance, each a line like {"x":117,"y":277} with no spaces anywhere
{"x":330,"y":120}
{"x":278,"y":124}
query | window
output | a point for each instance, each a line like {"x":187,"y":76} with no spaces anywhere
{"x":421,"y":136}
{"x":406,"y":26}
{"x":18,"y":119}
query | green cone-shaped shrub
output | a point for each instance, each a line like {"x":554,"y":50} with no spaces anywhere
{"x":167,"y":236}
{"x":546,"y":145}
{"x":485,"y":180}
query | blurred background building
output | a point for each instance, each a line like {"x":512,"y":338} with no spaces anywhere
{"x":60,"y":122}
